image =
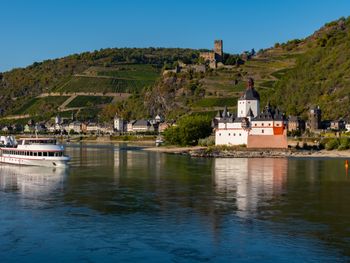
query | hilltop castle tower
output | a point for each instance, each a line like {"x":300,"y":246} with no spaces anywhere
{"x":218,"y":50}
{"x":215,"y":56}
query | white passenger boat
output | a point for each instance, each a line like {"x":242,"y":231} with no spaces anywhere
{"x":32,"y":151}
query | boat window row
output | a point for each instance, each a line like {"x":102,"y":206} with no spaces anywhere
{"x":28,"y":142}
{"x":30,"y":153}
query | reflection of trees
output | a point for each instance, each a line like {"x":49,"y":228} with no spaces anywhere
{"x":316,"y":203}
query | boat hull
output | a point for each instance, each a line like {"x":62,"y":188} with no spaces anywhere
{"x":46,"y":162}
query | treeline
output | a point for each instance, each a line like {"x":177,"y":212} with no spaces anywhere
{"x":320,"y":76}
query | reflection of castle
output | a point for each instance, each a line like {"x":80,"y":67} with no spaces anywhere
{"x":30,"y":180}
{"x":250,"y":181}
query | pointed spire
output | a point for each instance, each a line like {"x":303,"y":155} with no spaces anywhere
{"x":250,"y":113}
{"x":225,"y":114}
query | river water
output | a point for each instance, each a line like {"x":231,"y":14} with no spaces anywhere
{"x":120,"y":204}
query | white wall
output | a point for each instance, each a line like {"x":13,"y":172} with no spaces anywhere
{"x":231,"y":137}
{"x":244,"y":105}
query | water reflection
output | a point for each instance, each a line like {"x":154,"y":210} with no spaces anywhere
{"x":250,"y":181}
{"x":117,"y":198}
{"x":30,"y":180}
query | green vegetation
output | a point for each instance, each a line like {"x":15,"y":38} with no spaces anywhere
{"x":320,"y":75}
{"x":133,"y":71}
{"x":26,"y":83}
{"x":41,"y":105}
{"x":94,"y":84}
{"x":215,"y":102}
{"x":89,"y":101}
{"x":188,"y":130}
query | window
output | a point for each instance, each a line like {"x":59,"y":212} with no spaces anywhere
{"x":262,"y":124}
{"x":40,"y":153}
{"x":44,"y":153}
{"x":234,"y":134}
{"x":31,"y":153}
{"x":229,"y":134}
{"x":51,"y":154}
{"x":35,"y":153}
{"x":219,"y":134}
{"x":256,"y":124}
{"x":269,"y":124}
{"x":262,"y":131}
{"x":240,"y":134}
{"x":277,"y":124}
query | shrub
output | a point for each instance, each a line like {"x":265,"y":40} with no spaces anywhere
{"x":332,"y":144}
{"x":344,"y":143}
{"x":209,"y":141}
{"x":188,"y":130}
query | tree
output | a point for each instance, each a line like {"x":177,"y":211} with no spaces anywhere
{"x":189,"y":130}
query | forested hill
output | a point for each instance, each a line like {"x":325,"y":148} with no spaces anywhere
{"x":295,"y":76}
{"x":321,"y":75}
{"x":19,"y":85}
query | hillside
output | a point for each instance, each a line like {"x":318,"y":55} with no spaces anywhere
{"x":321,"y":75}
{"x":126,"y":70}
{"x":295,"y":76}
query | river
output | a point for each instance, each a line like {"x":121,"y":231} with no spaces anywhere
{"x":117,"y":203}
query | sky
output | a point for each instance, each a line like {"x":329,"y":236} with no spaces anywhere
{"x":35,"y":30}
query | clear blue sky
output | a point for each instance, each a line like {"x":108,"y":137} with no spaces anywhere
{"x":34,"y":30}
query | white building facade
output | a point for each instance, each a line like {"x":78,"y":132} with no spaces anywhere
{"x":251,"y":127}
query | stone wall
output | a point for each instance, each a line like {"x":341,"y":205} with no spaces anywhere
{"x":268,"y":141}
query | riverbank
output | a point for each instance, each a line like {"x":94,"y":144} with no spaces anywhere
{"x":198,"y":151}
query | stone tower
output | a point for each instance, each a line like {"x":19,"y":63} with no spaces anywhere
{"x":218,"y":50}
{"x":314,"y":122}
{"x":249,"y":104}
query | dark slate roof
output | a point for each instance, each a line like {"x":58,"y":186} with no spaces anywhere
{"x":142,"y":123}
{"x":250,"y":94}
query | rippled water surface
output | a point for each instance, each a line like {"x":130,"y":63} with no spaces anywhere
{"x":121,"y":204}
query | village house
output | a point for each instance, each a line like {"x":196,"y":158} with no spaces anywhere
{"x":337,"y":125}
{"x":347,"y":126}
{"x":296,"y":124}
{"x":142,"y":126}
{"x":92,"y":128}
{"x":119,"y":124}
{"x":75,"y":126}
{"x":251,"y":127}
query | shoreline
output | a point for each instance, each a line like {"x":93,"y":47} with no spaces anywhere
{"x":199,"y":151}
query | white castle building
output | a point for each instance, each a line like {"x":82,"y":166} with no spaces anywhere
{"x":251,"y":127}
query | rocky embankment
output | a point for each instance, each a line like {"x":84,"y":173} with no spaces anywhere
{"x":267,"y":153}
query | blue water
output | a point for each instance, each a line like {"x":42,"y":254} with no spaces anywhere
{"x":120,"y":204}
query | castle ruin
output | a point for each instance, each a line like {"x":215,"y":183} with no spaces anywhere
{"x":215,"y":56}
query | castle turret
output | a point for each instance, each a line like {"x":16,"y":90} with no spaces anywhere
{"x":249,"y":100}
